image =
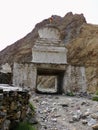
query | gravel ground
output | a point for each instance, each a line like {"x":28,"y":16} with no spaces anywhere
{"x":60,"y":112}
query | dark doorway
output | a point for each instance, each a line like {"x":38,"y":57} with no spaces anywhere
{"x":5,"y":78}
{"x":49,"y":81}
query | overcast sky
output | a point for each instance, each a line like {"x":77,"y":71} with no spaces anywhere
{"x":18,"y":17}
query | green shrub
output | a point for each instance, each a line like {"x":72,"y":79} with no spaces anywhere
{"x":70,"y":94}
{"x":95,"y":98}
{"x":32,"y":107}
{"x":24,"y":126}
{"x":96,"y":93}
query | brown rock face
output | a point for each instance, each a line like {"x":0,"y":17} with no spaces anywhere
{"x":83,"y":50}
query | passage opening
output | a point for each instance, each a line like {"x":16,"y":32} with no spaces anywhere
{"x":49,"y":81}
{"x":46,"y":83}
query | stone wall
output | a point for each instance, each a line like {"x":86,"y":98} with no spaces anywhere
{"x":13,"y":107}
{"x":24,"y":75}
{"x":5,"y":68}
{"x":75,"y":79}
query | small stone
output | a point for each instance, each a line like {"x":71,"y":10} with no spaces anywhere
{"x":83,"y":103}
{"x":13,"y":106}
{"x":77,"y":115}
{"x":64,"y":119}
{"x":53,"y":109}
{"x":23,"y":114}
{"x":76,"y":118}
{"x":45,"y":111}
{"x":36,"y":99}
{"x":87,"y":113}
{"x":64,"y":105}
{"x":54,"y":103}
{"x":55,"y":129}
{"x":18,"y":114}
{"x":71,"y":121}
{"x":44,"y":102}
{"x":54,"y":119}
{"x":45,"y":127}
{"x":94,"y":115}
{"x":91,"y":122}
{"x":95,"y":127}
{"x":74,"y":129}
{"x":56,"y":116}
{"x":84,"y":122}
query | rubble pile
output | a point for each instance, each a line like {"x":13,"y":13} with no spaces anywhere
{"x":13,"y":107}
{"x":61,"y":112}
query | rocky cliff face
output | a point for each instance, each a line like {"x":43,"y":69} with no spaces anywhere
{"x":80,"y":38}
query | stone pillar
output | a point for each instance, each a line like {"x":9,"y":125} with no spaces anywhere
{"x":75,"y":79}
{"x":24,"y":75}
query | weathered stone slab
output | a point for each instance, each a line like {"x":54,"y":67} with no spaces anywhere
{"x":9,"y":88}
{"x":75,"y":79}
{"x":48,"y":54}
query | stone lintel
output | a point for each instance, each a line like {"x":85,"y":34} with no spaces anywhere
{"x":50,"y":66}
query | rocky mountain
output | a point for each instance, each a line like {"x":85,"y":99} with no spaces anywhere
{"x":21,"y":50}
{"x":80,"y":38}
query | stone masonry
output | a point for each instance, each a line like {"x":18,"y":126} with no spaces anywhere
{"x":13,"y":106}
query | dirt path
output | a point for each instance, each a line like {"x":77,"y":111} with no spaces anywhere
{"x":55,"y":112}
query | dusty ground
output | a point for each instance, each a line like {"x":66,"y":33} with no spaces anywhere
{"x":60,"y":112}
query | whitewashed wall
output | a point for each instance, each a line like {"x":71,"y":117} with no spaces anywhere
{"x":43,"y":54}
{"x":51,"y":51}
{"x":24,"y":75}
{"x":5,"y":68}
{"x":75,"y":79}
{"x":49,"y":33}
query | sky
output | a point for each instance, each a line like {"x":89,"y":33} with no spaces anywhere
{"x":19,"y":17}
